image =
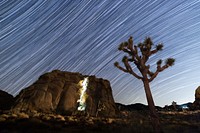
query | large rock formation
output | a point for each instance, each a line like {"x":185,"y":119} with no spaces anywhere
{"x":6,"y":100}
{"x":59,"y":92}
{"x":196,"y":104}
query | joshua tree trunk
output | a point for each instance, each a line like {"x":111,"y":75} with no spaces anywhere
{"x":154,"y":117}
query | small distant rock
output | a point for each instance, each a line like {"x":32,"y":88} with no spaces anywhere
{"x":110,"y":120}
{"x":2,"y":119}
{"x":23,"y":115}
{"x":60,"y":117}
{"x":47,"y":118}
{"x":14,"y":116}
{"x":5,"y":116}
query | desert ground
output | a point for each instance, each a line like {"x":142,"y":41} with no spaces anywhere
{"x":134,"y":122}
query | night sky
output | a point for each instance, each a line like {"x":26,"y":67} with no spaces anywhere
{"x":38,"y":36}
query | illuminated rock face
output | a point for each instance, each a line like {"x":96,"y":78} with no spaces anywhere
{"x":59,"y":92}
{"x":83,"y":94}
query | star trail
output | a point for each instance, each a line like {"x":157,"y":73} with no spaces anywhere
{"x":38,"y":36}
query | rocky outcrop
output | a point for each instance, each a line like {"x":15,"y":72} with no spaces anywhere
{"x":196,"y":104}
{"x":59,"y":91}
{"x":6,"y":100}
{"x":197,"y":93}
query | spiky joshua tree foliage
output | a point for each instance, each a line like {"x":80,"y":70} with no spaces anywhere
{"x":139,"y":55}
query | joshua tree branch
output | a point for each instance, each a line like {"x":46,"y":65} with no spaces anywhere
{"x":150,"y":73}
{"x":127,"y":51}
{"x":130,"y":70}
{"x":154,"y":75}
{"x":159,"y":47}
{"x":133,"y":52}
{"x":153,"y":52}
{"x":121,"y":68}
{"x":159,"y":69}
{"x":136,"y":56}
{"x":134,"y":74}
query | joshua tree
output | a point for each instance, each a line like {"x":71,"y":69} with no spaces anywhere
{"x":139,"y":55}
{"x":174,"y":105}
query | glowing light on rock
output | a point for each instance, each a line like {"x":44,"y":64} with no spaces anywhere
{"x":83,"y":94}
